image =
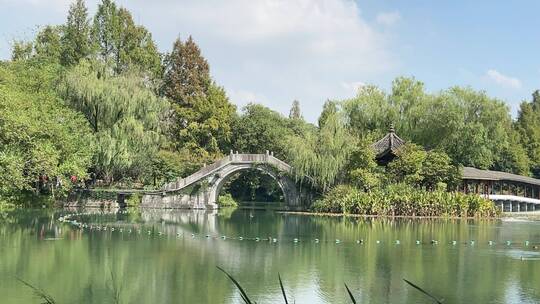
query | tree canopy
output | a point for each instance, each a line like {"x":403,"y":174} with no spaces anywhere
{"x":41,"y":140}
{"x":124,"y":114}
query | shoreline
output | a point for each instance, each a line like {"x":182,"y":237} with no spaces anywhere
{"x":388,"y":216}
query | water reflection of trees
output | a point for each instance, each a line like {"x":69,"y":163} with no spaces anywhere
{"x":153,"y":269}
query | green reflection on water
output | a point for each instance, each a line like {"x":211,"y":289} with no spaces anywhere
{"x":75,"y":266}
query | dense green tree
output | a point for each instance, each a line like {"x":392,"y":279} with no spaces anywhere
{"x":322,"y":156}
{"x":330,"y":108}
{"x":362,"y":169}
{"x":47,"y":44}
{"x":407,"y":166}
{"x":295,"y":112}
{"x":42,"y":142}
{"x":472,"y":128}
{"x":124,"y":114}
{"x":123,"y":43}
{"x":22,"y":50}
{"x":259,"y":129}
{"x":528,"y":128}
{"x":202,"y":113}
{"x":76,"y":41}
{"x":428,"y":169}
{"x":187,"y":73}
{"x":369,"y":112}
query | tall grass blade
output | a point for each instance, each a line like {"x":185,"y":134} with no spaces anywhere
{"x":242,"y":292}
{"x":350,"y":294}
{"x":423,"y":291}
{"x":39,"y":293}
{"x":282,"y":289}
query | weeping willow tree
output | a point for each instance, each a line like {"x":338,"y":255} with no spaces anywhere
{"x":322,"y":156}
{"x":124,"y":114}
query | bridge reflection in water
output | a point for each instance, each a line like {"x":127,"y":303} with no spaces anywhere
{"x":510,"y":192}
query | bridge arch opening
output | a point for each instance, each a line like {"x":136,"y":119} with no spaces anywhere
{"x":252,"y":186}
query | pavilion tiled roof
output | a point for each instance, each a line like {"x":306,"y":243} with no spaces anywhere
{"x":478,"y":174}
{"x":389,"y":143}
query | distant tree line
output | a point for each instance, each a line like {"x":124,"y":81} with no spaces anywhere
{"x":94,"y":101}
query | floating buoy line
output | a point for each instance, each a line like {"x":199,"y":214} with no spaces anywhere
{"x":136,"y":230}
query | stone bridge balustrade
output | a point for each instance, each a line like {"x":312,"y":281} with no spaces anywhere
{"x":201,"y":189}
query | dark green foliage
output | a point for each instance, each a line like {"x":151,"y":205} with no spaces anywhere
{"x":21,"y":50}
{"x":124,"y":113}
{"x":330,"y":108}
{"x":259,"y":129}
{"x":48,"y":45}
{"x":469,"y":126}
{"x":42,"y":142}
{"x":322,"y":156}
{"x":227,"y":200}
{"x":427,"y":169}
{"x":202,"y":113}
{"x":253,"y":186}
{"x":362,"y":169}
{"x":76,"y":41}
{"x":528,"y":128}
{"x":123,"y":43}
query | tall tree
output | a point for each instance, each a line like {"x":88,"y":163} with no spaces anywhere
{"x":124,"y":114}
{"x":322,"y":156}
{"x":187,"y":73}
{"x":528,"y":128}
{"x":47,"y":44}
{"x":259,"y":129}
{"x":202,"y":111}
{"x":330,"y":108}
{"x":76,"y":43}
{"x":21,"y":50}
{"x":295,"y":110}
{"x":44,"y":143}
{"x":123,"y":43}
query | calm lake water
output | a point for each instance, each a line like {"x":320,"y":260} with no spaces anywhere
{"x":91,"y":266}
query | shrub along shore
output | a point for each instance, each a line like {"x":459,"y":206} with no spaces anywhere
{"x":403,"y":200}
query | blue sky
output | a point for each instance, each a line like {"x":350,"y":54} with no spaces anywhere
{"x":275,"y":51}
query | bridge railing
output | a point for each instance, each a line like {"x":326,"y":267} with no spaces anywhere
{"x":231,"y":158}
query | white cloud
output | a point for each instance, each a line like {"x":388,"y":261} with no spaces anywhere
{"x":353,"y":87}
{"x":276,"y":50}
{"x":244,"y":97}
{"x":503,"y":80}
{"x":58,"y":5}
{"x":388,"y":18}
{"x":280,"y":49}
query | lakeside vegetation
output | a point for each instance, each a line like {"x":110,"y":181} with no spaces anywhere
{"x":92,"y":102}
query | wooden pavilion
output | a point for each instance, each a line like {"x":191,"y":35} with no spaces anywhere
{"x":387,"y":147}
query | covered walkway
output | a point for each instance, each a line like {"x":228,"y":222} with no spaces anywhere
{"x":511,"y":192}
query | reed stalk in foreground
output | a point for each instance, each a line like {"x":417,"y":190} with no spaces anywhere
{"x":242,"y":292}
{"x":39,"y":293}
{"x":350,"y":294}
{"x":282,"y":289}
{"x":423,"y":291}
{"x":248,"y":301}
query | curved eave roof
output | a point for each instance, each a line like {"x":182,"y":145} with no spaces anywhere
{"x":389,"y":143}
{"x":478,"y":174}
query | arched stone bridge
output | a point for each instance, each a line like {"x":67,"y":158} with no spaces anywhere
{"x":201,"y":189}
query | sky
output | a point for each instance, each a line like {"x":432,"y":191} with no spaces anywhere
{"x":275,"y":51}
